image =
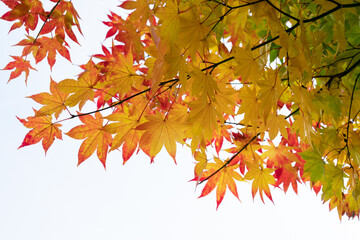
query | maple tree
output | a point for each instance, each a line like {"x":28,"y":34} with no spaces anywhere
{"x":261,"y":91}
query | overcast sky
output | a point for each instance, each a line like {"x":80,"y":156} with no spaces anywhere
{"x":49,"y":197}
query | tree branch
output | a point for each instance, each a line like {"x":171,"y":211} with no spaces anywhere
{"x":313,"y":19}
{"x":349,"y":119}
{"x":47,"y":18}
{"x":232,"y":158}
{"x":174,"y":81}
{"x":282,"y":12}
{"x":338,"y":75}
{"x":240,"y":150}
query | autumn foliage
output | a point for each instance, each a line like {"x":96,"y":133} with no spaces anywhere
{"x":264,"y":92}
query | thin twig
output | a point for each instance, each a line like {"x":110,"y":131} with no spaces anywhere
{"x":232,"y":158}
{"x":47,"y":18}
{"x":349,"y":119}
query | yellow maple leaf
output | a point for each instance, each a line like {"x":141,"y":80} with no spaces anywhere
{"x":161,"y":131}
{"x":169,"y":20}
{"x":262,"y":178}
{"x":203,"y":85}
{"x":269,"y":92}
{"x":249,"y":105}
{"x":248,"y":66}
{"x":302,"y":124}
{"x":202,"y":121}
{"x":121,"y":76}
{"x":81,"y":89}
{"x":277,"y":123}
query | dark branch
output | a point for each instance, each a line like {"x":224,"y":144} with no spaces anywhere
{"x":349,"y":119}
{"x":241,"y":149}
{"x":47,"y":18}
{"x":338,"y":75}
{"x":338,"y":6}
{"x":232,"y":158}
{"x":282,"y":12}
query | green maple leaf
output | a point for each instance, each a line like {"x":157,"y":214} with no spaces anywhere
{"x":314,"y":166}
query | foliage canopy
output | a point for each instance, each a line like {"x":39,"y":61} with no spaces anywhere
{"x":261,"y":91}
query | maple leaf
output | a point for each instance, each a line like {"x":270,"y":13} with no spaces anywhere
{"x":314,"y":165}
{"x":200,"y":165}
{"x":54,"y":101}
{"x":62,"y":19}
{"x":42,"y":129}
{"x":248,"y":68}
{"x":278,"y":155}
{"x":250,"y":105}
{"x":203,"y":121}
{"x":286,"y":175}
{"x":96,"y":138}
{"x":221,"y":179}
{"x":121,"y":75}
{"x":20,"y":65}
{"x":81,"y":89}
{"x":126,"y":33}
{"x":170,"y":20}
{"x":43,"y":47}
{"x":140,"y":9}
{"x":262,"y":178}
{"x":204,"y":85}
{"x":193,"y":31}
{"x":124,"y":126}
{"x":269,"y":92}
{"x":26,"y":11}
{"x":161,"y":131}
{"x":277,"y":123}
{"x":219,"y":136}
{"x":206,"y":71}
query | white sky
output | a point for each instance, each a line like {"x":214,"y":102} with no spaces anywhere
{"x":46,"y":198}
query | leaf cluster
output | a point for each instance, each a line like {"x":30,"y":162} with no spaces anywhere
{"x":261,"y":91}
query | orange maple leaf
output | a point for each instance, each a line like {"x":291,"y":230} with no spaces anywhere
{"x":278,"y":156}
{"x":42,"y":129}
{"x":27,"y":12}
{"x":62,"y":19}
{"x":54,"y":102}
{"x":221,"y":179}
{"x":285,"y":176}
{"x":44,"y":46}
{"x":20,"y":65}
{"x":95,"y":138}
